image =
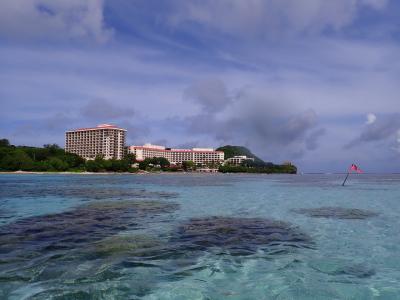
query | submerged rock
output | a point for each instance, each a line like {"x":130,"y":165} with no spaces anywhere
{"x":86,"y":192}
{"x":138,"y":208}
{"x":239,"y":236}
{"x":342,"y":267}
{"x":105,"y":260}
{"x":336,"y":213}
{"x":80,"y":246}
{"x":126,"y":245}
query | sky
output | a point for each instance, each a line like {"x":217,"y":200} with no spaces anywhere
{"x":314,"y":82}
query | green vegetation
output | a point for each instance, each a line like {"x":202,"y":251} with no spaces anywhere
{"x":52,"y":158}
{"x":268,"y":169}
{"x":162,"y":164}
{"x":111,"y":165}
{"x":188,"y":165}
{"x":154,"y":164}
{"x":231,"y":151}
{"x":250,"y":166}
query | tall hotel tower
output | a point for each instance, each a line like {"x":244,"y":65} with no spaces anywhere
{"x":105,"y":140}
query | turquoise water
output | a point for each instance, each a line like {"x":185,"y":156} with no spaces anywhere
{"x":152,"y":237}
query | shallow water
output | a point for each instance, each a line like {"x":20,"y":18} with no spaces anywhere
{"x":201,"y":236}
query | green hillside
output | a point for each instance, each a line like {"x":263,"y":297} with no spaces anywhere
{"x":258,"y":166}
{"x":231,"y":151}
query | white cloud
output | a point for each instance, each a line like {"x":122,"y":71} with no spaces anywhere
{"x":294,"y":88}
{"x":396,"y":145}
{"x":371,"y":118}
{"x":381,"y":130}
{"x":277,"y":17}
{"x":53,"y":19}
{"x":376,"y":4}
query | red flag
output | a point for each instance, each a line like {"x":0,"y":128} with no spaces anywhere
{"x":355,"y":168}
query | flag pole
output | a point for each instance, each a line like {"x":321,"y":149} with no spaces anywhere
{"x":348,"y":173}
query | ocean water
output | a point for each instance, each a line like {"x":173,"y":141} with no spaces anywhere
{"x":200,"y":236}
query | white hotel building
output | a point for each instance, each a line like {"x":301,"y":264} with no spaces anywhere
{"x":177,"y":156}
{"x":238,"y":160}
{"x":105,"y":140}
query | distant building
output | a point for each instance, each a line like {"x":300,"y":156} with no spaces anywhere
{"x":105,"y":140}
{"x":177,"y":156}
{"x":238,"y":160}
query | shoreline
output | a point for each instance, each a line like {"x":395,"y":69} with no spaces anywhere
{"x":74,"y":173}
{"x":128,"y":173}
{"x":177,"y":173}
{"x":99,"y":173}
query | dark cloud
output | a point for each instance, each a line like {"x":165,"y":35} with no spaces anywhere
{"x":312,"y":139}
{"x":161,"y":142}
{"x":188,"y":145}
{"x":380,"y":130}
{"x":210,"y":94}
{"x":136,"y":132}
{"x":275,"y":126}
{"x":53,"y":20}
{"x":283,"y":129}
{"x":25,"y":129}
{"x":203,"y":123}
{"x":103,"y":110}
{"x":57,"y":122}
{"x":88,"y":116}
{"x":294,"y":153}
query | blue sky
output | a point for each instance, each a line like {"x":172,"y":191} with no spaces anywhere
{"x":314,"y":81}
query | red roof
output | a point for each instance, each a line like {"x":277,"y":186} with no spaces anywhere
{"x":175,"y":150}
{"x":101,"y":126}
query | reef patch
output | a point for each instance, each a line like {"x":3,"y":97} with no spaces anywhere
{"x":80,"y":226}
{"x":336,"y":213}
{"x":86,"y":192}
{"x":81,"y":246}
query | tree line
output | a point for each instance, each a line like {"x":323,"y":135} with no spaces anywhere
{"x":52,"y":158}
{"x":267,"y":169}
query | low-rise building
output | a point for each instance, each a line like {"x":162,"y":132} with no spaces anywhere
{"x":105,"y":140}
{"x":177,"y":156}
{"x":238,"y":160}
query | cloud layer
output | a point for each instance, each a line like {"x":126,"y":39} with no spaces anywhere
{"x":271,"y":125}
{"x":290,"y":80}
{"x":101,"y":109}
{"x":260,"y":18}
{"x":378,"y":129}
{"x":58,"y":20}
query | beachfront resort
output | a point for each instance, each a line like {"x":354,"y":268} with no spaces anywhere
{"x":103,"y":149}
{"x":104,"y":139}
{"x":109,"y":141}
